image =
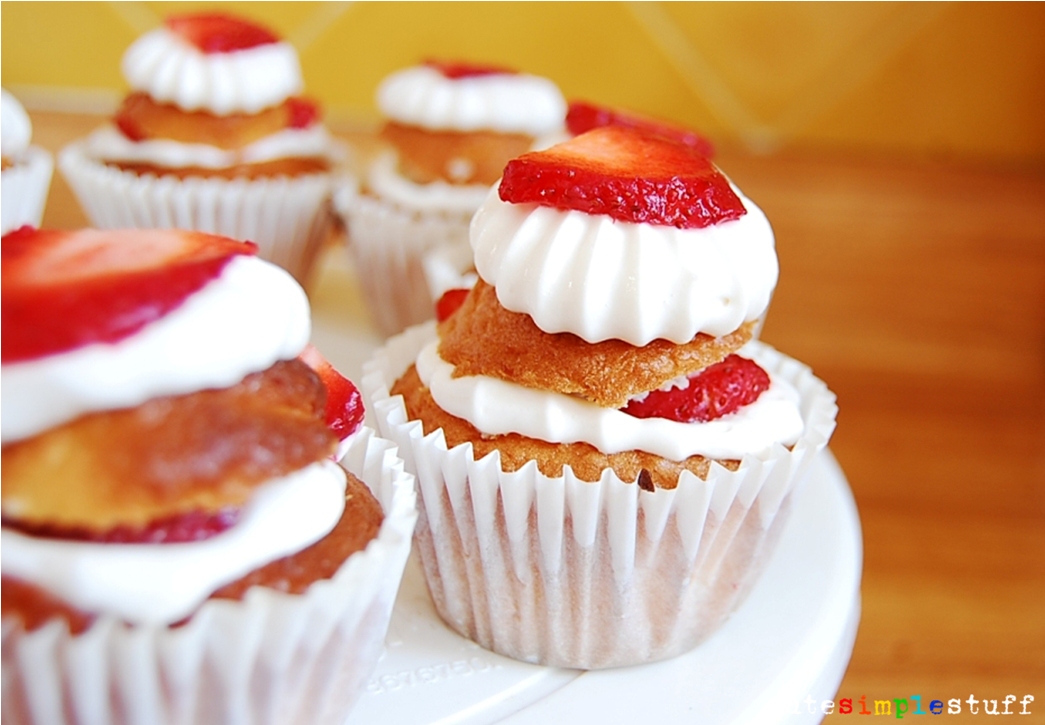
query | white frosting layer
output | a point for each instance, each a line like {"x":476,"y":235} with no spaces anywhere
{"x":16,"y":129}
{"x":503,"y":102}
{"x":164,"y":583}
{"x":604,"y":279}
{"x":253,"y":315}
{"x":385,"y":181}
{"x":497,"y":407}
{"x":108,"y":144}
{"x":172,"y":70}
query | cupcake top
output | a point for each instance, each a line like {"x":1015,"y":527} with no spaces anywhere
{"x":643,"y":270}
{"x":459,"y":97}
{"x":621,"y":276}
{"x":213,"y":92}
{"x":207,"y":322}
{"x":157,"y":393}
{"x":16,"y":130}
{"x":213,"y":62}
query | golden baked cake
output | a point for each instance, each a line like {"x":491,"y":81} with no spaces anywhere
{"x":169,"y":447}
{"x":605,"y":452}
{"x":215,"y":136}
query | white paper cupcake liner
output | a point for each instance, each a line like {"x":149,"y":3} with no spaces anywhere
{"x":287,"y":217}
{"x":23,"y":190}
{"x":270,"y":658}
{"x":558,"y":571}
{"x":388,"y":244}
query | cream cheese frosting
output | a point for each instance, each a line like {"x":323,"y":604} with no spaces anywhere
{"x":497,"y":407}
{"x":605,"y":279}
{"x":16,"y":129}
{"x":164,"y":583}
{"x":502,"y":102}
{"x":172,"y":70}
{"x":109,"y":144}
{"x":248,"y":318}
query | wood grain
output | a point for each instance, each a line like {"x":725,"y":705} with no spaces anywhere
{"x":916,"y":289}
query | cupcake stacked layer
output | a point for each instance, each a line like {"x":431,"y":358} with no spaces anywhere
{"x":215,"y":137}
{"x":26,"y":172}
{"x":605,"y":453}
{"x":177,"y":537}
{"x":450,"y":129}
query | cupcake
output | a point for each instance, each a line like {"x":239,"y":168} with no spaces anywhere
{"x":179,"y":544}
{"x":26,"y":171}
{"x":450,"y":129}
{"x":605,"y":456}
{"x":214,"y":137}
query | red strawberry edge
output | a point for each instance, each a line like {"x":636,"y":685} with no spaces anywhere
{"x":176,"y":529}
{"x":627,"y":174}
{"x":458,"y":70}
{"x":217,"y":32}
{"x":66,"y":289}
{"x":583,"y":116}
{"x":303,"y":112}
{"x":449,"y":302}
{"x":344,"y":411}
{"x":714,"y":392}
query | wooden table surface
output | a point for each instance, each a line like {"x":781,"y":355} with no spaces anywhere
{"x":916,"y":289}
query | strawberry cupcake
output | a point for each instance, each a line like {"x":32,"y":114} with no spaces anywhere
{"x":214,"y":137}
{"x":26,"y":170}
{"x":605,"y":455}
{"x":179,"y":544}
{"x":450,"y":130}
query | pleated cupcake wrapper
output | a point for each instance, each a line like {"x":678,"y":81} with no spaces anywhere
{"x":287,"y":217}
{"x":558,"y":571}
{"x":269,"y":658}
{"x":388,"y":244}
{"x":23,"y":190}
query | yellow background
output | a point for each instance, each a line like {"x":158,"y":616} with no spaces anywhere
{"x":961,"y":79}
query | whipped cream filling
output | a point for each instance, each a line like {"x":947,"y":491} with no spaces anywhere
{"x":497,"y":407}
{"x":172,"y":70}
{"x":109,"y":144}
{"x":164,"y":583}
{"x":385,"y":181}
{"x":604,"y":279}
{"x":248,"y":318}
{"x":502,"y":102}
{"x":16,"y":129}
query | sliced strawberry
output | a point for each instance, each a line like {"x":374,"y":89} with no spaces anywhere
{"x":63,"y":290}
{"x":344,"y":403}
{"x":219,"y":32}
{"x":177,"y":529}
{"x":455,"y":71}
{"x":303,"y":112}
{"x":715,"y":391}
{"x":449,"y":302}
{"x":627,"y":174}
{"x":583,"y":117}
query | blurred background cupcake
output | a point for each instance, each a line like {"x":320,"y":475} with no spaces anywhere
{"x":26,"y":174}
{"x":449,"y":130}
{"x":214,"y":136}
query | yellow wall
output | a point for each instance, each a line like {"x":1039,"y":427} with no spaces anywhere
{"x":936,"y":78}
